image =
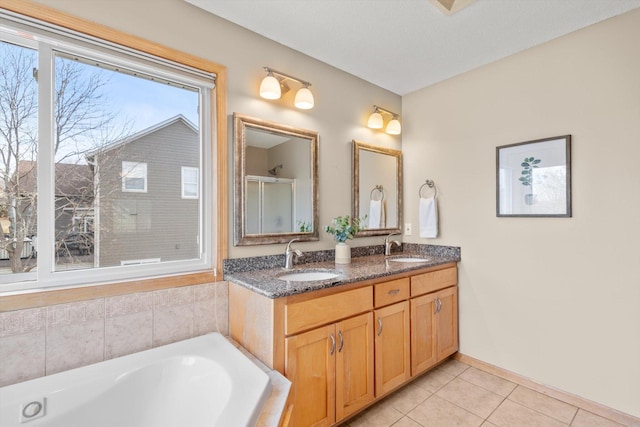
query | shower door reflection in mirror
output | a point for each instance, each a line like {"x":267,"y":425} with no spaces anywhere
{"x":276,"y":182}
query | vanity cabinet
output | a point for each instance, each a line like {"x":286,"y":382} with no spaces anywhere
{"x":434,"y":318}
{"x":331,"y":370}
{"x":344,"y":347}
{"x":392,"y":339}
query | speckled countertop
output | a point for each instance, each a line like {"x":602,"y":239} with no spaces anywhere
{"x":265,"y":280}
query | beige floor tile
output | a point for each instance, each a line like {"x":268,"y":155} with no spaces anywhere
{"x":379,"y":415}
{"x":510,"y":414}
{"x":542,"y":403}
{"x":474,"y":399}
{"x":488,"y":381}
{"x":407,"y":398}
{"x":434,"y":380}
{"x":437,"y":412}
{"x":587,"y":419}
{"x":453,"y":367}
{"x":488,"y":424}
{"x":406,"y":422}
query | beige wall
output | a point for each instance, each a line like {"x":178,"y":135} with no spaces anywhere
{"x":556,"y":300}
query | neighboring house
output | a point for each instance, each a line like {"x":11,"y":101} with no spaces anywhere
{"x":73,"y":197}
{"x":147,"y":196}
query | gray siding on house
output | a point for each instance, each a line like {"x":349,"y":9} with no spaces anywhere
{"x":158,"y":223}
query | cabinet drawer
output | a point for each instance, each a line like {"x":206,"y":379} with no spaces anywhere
{"x":389,"y":292}
{"x":434,"y":280}
{"x":319,"y":311}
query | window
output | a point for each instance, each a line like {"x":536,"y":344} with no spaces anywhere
{"x":92,"y":207}
{"x":134,"y":177}
{"x":190,"y":182}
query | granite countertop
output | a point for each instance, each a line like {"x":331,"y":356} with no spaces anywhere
{"x":266,"y":281}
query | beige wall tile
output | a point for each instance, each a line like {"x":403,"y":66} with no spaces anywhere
{"x":22,"y":345}
{"x":211,"y":308}
{"x":75,"y":335}
{"x":128,"y":324}
{"x":128,"y":334}
{"x":547,"y":405}
{"x":22,"y":357}
{"x":471,"y":397}
{"x":172,"y":315}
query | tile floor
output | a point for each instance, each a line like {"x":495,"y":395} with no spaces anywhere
{"x":455,"y":394}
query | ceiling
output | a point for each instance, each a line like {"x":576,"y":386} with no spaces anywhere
{"x":406,"y":45}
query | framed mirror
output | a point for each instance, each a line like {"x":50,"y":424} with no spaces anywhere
{"x":377,"y":189}
{"x":276,"y":182}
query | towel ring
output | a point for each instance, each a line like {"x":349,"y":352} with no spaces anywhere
{"x":379,"y":189}
{"x":429,"y":183}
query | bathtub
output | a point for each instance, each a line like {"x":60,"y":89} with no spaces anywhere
{"x":203,"y":381}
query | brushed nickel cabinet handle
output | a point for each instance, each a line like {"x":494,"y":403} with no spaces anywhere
{"x":379,"y":326}
{"x":333,"y":345}
{"x":393,"y":292}
{"x":341,"y":341}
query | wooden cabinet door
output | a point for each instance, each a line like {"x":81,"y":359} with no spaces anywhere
{"x":310,"y":366}
{"x":423,"y":333}
{"x":392,"y":344}
{"x":447,"y":322}
{"x":354,"y":364}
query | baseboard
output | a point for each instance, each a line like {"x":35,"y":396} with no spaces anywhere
{"x":571,"y":399}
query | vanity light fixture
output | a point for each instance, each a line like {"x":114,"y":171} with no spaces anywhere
{"x":273,"y":87}
{"x":376,"y":122}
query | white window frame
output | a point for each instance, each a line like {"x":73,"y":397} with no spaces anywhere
{"x":134,"y":170}
{"x":184,"y":171}
{"x":48,"y":39}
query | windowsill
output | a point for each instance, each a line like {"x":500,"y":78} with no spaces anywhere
{"x":41,"y":298}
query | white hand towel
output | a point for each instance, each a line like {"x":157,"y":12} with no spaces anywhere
{"x":375,"y":213}
{"x":428,"y":216}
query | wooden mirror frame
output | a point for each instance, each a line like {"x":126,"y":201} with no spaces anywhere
{"x":241,"y":122}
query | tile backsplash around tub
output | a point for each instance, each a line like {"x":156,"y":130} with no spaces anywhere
{"x":43,"y":341}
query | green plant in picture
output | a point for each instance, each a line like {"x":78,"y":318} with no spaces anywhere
{"x":526,"y":178}
{"x":304,"y":227}
{"x":528,"y":165}
{"x":344,"y":227}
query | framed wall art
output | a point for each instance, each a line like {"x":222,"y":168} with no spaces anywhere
{"x":533,"y":178}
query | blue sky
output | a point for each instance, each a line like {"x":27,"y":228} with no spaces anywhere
{"x":147,"y":102}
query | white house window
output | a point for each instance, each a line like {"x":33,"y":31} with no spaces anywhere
{"x":79,"y":116}
{"x":134,"y":177}
{"x":190,"y":178}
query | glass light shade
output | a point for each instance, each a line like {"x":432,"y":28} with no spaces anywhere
{"x":304,"y":99}
{"x":270,"y":88}
{"x":393,"y":127}
{"x":375,"y":121}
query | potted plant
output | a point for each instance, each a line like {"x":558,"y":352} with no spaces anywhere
{"x":528,"y":165}
{"x":344,"y":228}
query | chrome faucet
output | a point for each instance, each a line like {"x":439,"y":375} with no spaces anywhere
{"x":388,"y":244}
{"x":289,"y":254}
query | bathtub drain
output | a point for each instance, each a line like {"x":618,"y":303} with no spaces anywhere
{"x":32,"y":410}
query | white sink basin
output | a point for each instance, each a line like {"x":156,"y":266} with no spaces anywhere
{"x":308,"y":276}
{"x":408,"y":259}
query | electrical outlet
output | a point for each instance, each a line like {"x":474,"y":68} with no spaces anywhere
{"x":407,"y":229}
